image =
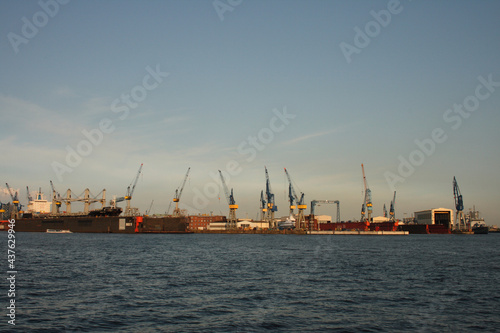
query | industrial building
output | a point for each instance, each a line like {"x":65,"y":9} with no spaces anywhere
{"x":443,"y":216}
{"x":203,"y":221}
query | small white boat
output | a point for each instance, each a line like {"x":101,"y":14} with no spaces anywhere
{"x":58,"y":231}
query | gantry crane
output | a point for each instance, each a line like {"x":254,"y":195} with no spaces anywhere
{"x":292,"y":195}
{"x":178,"y":193}
{"x":313,"y":205}
{"x":392,"y":210}
{"x":459,"y":205}
{"x":367,"y":203}
{"x":271,"y":206}
{"x":232,"y":204}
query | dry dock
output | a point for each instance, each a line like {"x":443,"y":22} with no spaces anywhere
{"x":356,"y":232}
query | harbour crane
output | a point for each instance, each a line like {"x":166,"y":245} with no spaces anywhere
{"x":292,"y":195}
{"x":13,"y":196}
{"x":15,"y":202}
{"x":149,"y":209}
{"x":271,"y":206}
{"x":367,"y":204}
{"x":392,"y":210}
{"x":232,"y":204}
{"x":30,"y":198}
{"x":263,"y":208}
{"x":128,"y":196}
{"x":56,"y":199}
{"x":459,"y":206}
{"x":315,"y":202}
{"x":178,"y":193}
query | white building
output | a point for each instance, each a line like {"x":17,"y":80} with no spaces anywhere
{"x":435,"y":216}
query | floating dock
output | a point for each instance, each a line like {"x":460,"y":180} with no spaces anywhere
{"x":356,"y":232}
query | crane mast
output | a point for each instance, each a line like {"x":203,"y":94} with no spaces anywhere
{"x":271,"y":207}
{"x":292,"y":195}
{"x":56,"y":199}
{"x":15,"y":202}
{"x":460,"y":223}
{"x":30,"y":198}
{"x":232,"y":204}
{"x":392,"y":210}
{"x":130,"y":190}
{"x":263,"y":208}
{"x":178,"y":193}
{"x":367,"y":204}
{"x":128,"y":196}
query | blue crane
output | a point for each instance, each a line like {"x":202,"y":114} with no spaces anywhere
{"x":232,"y":204}
{"x":271,"y":206}
{"x":459,"y":206}
{"x":293,"y":198}
{"x":392,"y":210}
{"x":15,"y":202}
{"x":263,"y":208}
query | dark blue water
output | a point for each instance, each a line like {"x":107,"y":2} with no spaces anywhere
{"x":248,"y":283}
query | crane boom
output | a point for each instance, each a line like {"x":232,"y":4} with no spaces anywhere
{"x":178,"y":193}
{"x":30,"y":198}
{"x":368,"y":198}
{"x":263,"y":208}
{"x":292,"y":195}
{"x":13,"y":195}
{"x":232,"y":204}
{"x":392,"y":210}
{"x":459,"y":206}
{"x":130,"y":190}
{"x":270,"y":202}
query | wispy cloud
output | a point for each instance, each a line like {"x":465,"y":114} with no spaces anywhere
{"x":64,"y":92}
{"x":308,"y":136}
{"x":27,"y":118}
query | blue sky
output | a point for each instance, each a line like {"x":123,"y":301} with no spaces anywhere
{"x":221,"y":82}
